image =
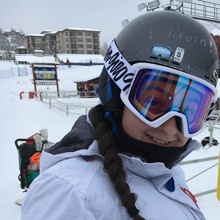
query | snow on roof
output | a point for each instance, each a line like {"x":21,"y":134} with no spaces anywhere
{"x":81,"y":58}
{"x":51,"y":32}
{"x":34,"y":59}
{"x":34,"y":35}
{"x":85,"y":73}
{"x":21,"y":47}
{"x":39,"y":51}
{"x":73,"y":58}
{"x":80,"y":29}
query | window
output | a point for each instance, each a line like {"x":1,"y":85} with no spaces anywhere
{"x":79,"y":33}
{"x":79,"y":39}
{"x":80,"y":46}
{"x":73,"y":46}
{"x":88,"y":40}
{"x":96,"y":41}
{"x":88,"y":34}
{"x":89,"y":46}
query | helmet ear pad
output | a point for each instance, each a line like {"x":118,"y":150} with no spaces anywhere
{"x":109,"y":94}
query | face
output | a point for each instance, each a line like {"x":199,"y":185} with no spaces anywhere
{"x":166,"y":135}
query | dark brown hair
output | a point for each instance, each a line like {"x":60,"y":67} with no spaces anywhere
{"x":113,"y":166}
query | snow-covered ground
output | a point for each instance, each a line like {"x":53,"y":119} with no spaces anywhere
{"x":22,"y":118}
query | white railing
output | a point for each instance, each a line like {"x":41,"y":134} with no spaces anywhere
{"x":188,"y":162}
{"x":213,"y":123}
{"x":59,"y":101}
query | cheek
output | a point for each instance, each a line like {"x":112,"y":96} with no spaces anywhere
{"x":133,"y":126}
{"x":182,"y":139}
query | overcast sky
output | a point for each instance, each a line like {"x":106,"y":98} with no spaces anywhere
{"x":34,"y":16}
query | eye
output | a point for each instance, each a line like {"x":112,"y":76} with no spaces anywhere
{"x":156,"y":103}
{"x":156,"y":106}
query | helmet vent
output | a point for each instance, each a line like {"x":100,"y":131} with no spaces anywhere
{"x":153,"y":57}
{"x":164,"y":60}
{"x":175,"y":63}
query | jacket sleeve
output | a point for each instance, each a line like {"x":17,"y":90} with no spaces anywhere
{"x":52,"y":198}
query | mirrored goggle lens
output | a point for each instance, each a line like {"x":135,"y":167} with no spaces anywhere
{"x":155,"y":93}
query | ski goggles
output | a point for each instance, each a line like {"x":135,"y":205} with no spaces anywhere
{"x":157,"y":93}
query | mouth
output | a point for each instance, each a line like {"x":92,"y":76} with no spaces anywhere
{"x":158,"y":141}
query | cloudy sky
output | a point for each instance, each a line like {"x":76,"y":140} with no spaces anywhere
{"x":34,"y":16}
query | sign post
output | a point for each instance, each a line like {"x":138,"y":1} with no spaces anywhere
{"x":45,"y":74}
{"x":218,"y":182}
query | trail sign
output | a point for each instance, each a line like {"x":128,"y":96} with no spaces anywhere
{"x":45,"y":74}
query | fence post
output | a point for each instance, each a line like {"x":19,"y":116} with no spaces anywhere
{"x":41,"y":96}
{"x":26,"y":70}
{"x":21,"y":93}
{"x":12,"y":72}
{"x":67,"y":110}
{"x":50,"y":102}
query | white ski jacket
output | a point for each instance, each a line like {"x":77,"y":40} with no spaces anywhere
{"x":73,"y":186}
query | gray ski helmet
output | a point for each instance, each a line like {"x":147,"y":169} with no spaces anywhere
{"x":166,"y":38}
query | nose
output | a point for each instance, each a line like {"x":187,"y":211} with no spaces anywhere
{"x":169,"y":127}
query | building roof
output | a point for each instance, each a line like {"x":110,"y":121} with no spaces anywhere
{"x":85,"y":73}
{"x":81,"y":58}
{"x":81,"y":29}
{"x":34,"y":35}
{"x":29,"y":58}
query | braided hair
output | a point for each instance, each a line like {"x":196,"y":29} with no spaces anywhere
{"x":112,"y":163}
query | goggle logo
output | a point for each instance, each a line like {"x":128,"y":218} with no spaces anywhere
{"x":162,"y":51}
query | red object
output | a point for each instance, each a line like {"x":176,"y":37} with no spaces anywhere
{"x":67,"y":61}
{"x":190,"y":195}
{"x":31,"y":141}
{"x":31,"y":95}
{"x":217,"y":42}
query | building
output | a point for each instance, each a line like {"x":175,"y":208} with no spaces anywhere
{"x":34,"y":42}
{"x":67,"y":41}
{"x":20,"y":50}
{"x":49,"y":42}
{"x":78,"y":41}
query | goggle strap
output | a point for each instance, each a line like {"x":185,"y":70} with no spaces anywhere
{"x":118,"y":68}
{"x":109,"y":90}
{"x":210,"y":111}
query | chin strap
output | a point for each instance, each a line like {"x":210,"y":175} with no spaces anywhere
{"x":108,"y":116}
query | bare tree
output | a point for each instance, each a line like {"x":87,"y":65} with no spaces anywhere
{"x":104,"y":48}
